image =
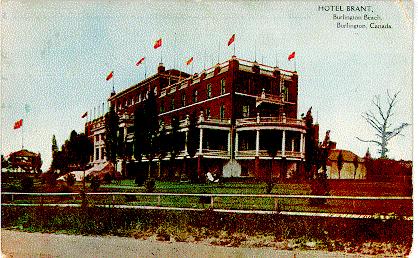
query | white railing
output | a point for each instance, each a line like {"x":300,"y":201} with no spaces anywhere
{"x":217,"y":153}
{"x":217,"y":121}
{"x":264,"y":153}
{"x":279,"y":202}
{"x":270,"y":98}
{"x":270,"y":121}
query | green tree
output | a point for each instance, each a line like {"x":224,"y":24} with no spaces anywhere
{"x":4,"y":162}
{"x":192,"y":142}
{"x":355,"y":163}
{"x":176,"y":143}
{"x":111,"y":134}
{"x":54,"y":144}
{"x":272,"y":149}
{"x":311,"y":146}
{"x":340,"y":163}
{"x":150,"y":148}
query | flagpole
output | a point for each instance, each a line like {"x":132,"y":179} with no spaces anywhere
{"x":161,"y":54}
{"x":145,"y":70}
{"x":22,"y":135}
{"x":294,"y":62}
{"x":234,"y":47}
{"x":113,"y":85}
{"x":219,"y":48}
{"x":175,"y":52}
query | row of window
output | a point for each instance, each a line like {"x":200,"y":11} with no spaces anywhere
{"x":138,"y":98}
{"x":195,"y":95}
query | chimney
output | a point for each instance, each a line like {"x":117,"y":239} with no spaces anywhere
{"x":161,"y":68}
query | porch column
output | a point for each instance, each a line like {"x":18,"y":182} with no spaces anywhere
{"x":302,"y":144}
{"x":201,"y":142}
{"x":94,"y":147}
{"x":257,"y":142}
{"x":236,"y":143}
{"x":229,"y":143}
{"x":125,"y":132}
{"x":283,"y":143}
{"x":293,"y":145}
{"x":186,"y":133}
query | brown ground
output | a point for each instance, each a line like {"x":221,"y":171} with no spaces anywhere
{"x":22,"y":244}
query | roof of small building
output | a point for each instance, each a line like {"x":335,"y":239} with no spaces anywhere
{"x":24,"y":153}
{"x":348,"y":156}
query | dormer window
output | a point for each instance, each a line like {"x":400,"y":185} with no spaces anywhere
{"x":209,"y":91}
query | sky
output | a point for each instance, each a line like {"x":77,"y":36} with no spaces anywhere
{"x":55,"y":56}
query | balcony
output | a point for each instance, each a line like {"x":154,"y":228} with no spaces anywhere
{"x":279,"y":121}
{"x":269,"y":98}
{"x":264,"y":154}
{"x":215,"y":153}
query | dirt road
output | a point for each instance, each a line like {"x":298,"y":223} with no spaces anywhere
{"x":22,"y":244}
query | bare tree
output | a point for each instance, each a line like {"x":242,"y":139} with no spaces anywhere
{"x":381,"y":123}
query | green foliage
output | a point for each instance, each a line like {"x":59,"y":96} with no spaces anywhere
{"x":311,"y":146}
{"x":4,"y":162}
{"x":94,"y":183}
{"x":150,"y":185}
{"x":111,"y":133}
{"x":27,"y":184}
{"x":54,"y":146}
{"x":70,"y":180}
{"x":108,"y":178}
{"x":75,"y":153}
{"x":193,"y":136}
{"x":340,"y":162}
{"x":151,"y":127}
{"x":176,"y":139}
{"x":139,"y":136}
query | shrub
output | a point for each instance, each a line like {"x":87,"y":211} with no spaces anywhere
{"x":26,"y":184}
{"x":108,"y":178}
{"x":94,"y":183}
{"x":70,"y":179}
{"x":140,"y":180}
{"x":150,"y":185}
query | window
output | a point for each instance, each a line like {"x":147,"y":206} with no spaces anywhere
{"x":195,"y":96}
{"x":245,"y":111}
{"x":285,"y":93}
{"x":97,"y":138}
{"x":102,"y":153}
{"x":172,"y":106}
{"x":183,"y":100}
{"x":208,"y":113}
{"x":223,"y":88}
{"x":209,"y":91}
{"x":222,"y":112}
{"x":162,"y":106}
{"x":97,"y":154}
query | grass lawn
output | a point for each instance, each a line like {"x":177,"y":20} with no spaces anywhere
{"x":246,"y":203}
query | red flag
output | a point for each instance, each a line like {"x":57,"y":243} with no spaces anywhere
{"x":140,"y":61}
{"x":231,"y":40}
{"x":84,"y":115}
{"x":18,"y":124}
{"x":189,"y":61}
{"x":109,"y":76}
{"x":158,"y":43}
{"x":291,"y":56}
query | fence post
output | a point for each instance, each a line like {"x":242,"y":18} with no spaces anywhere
{"x":158,"y":200}
{"x":13,"y":198}
{"x":276,"y":204}
{"x":211,"y":201}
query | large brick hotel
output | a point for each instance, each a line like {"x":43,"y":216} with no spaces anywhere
{"x":242,"y":107}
